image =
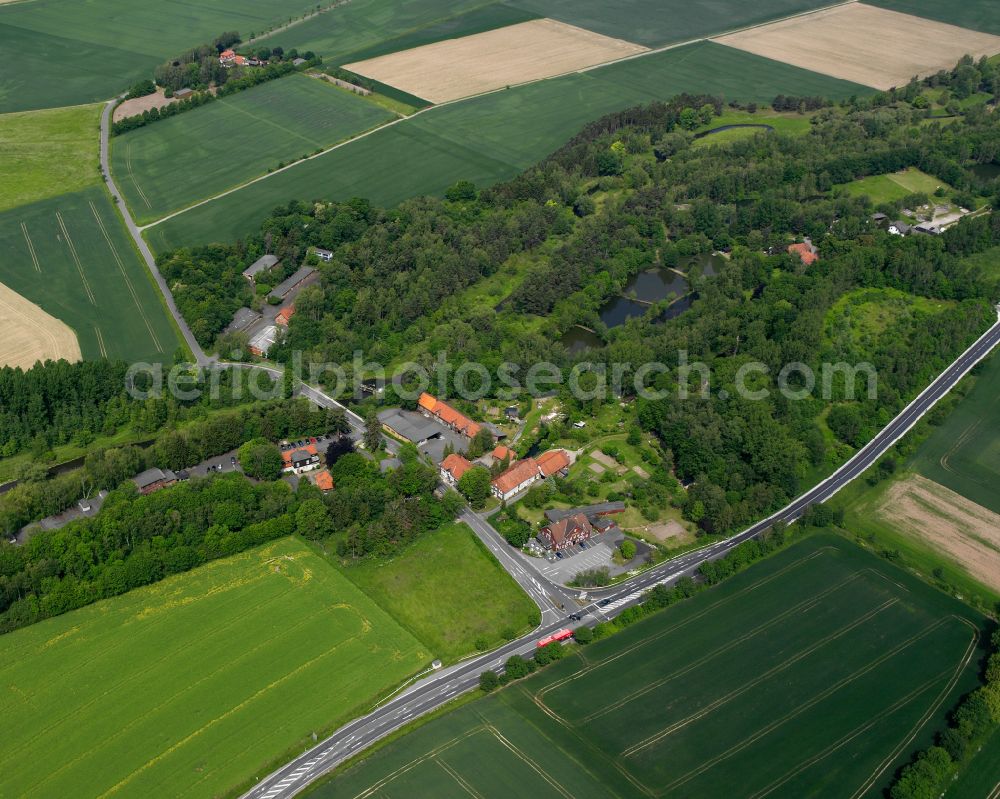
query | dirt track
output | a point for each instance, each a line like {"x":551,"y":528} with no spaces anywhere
{"x":966,"y":532}
{"x":864,"y":44}
{"x":482,"y":62}
{"x":28,"y":334}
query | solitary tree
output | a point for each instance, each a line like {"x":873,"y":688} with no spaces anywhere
{"x":475,"y":486}
{"x":260,"y":459}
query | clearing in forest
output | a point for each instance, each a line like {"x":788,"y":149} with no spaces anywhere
{"x":865,"y":44}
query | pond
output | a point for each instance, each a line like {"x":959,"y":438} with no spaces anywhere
{"x":578,"y":339}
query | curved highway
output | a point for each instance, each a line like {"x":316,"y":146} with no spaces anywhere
{"x":438,"y":689}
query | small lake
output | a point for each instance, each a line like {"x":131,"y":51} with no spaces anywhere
{"x":578,"y":339}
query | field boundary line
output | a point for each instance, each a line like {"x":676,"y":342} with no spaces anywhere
{"x":76,"y":259}
{"x":674,"y":627}
{"x":645,"y":53}
{"x":899,"y":704}
{"x":746,"y":686}
{"x":458,"y":778}
{"x":803,"y":606}
{"x":31,"y":247}
{"x":527,"y":760}
{"x":128,"y":282}
{"x":827,"y":692}
{"x":131,"y":175}
{"x":431,"y":755}
{"x":970,"y":650}
{"x":100,"y":341}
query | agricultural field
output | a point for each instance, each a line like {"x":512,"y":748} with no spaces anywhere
{"x":980,"y":779}
{"x":849,"y":42}
{"x":491,"y":138}
{"x":177,"y":161}
{"x":69,"y":52}
{"x":979,"y":15}
{"x":494,"y":59}
{"x":72,"y":256}
{"x":890,"y":188}
{"x":823,"y":645}
{"x":419,"y":588}
{"x":28,"y":334}
{"x":659,"y":22}
{"x":48,"y":153}
{"x":193,"y":686}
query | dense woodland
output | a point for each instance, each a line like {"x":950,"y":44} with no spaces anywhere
{"x":630,"y":192}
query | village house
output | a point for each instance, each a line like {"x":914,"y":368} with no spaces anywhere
{"x":226,"y":57}
{"x":899,"y":228}
{"x":453,"y":467}
{"x":524,"y":473}
{"x":153,"y":480}
{"x":434,"y":408}
{"x":262,"y":264}
{"x":566,"y":531}
{"x":285,"y":315}
{"x":323,"y":255}
{"x":555,"y":461}
{"x":297,"y":461}
{"x":324,"y":481}
{"x":805,"y":251}
{"x":262,"y":341}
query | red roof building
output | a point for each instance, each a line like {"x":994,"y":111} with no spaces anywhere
{"x":300,"y":460}
{"x":284,"y":315}
{"x":517,"y":478}
{"x":324,"y":481}
{"x":568,"y":530}
{"x":444,"y":413}
{"x":502,"y":453}
{"x":805,"y":253}
{"x":553,"y":462}
{"x":453,"y":467}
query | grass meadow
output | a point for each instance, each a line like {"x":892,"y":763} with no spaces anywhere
{"x":48,"y":153}
{"x":72,"y":256}
{"x":980,"y":15}
{"x":658,"y":22}
{"x":420,"y":589}
{"x":186,"y":158}
{"x":889,"y":188}
{"x":67,"y":52}
{"x":492,"y":137}
{"x":195,"y":685}
{"x":813,"y":674}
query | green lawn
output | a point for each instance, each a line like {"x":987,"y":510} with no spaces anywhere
{"x":72,"y":256}
{"x":980,"y":15}
{"x":659,"y":22}
{"x":748,"y":125}
{"x":196,"y":685}
{"x":46,"y":153}
{"x":448,"y":591}
{"x":813,"y":674}
{"x":889,"y":188}
{"x":186,"y":158}
{"x":65,"y":52}
{"x":493,"y":137}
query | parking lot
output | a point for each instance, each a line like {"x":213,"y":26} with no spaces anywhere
{"x":575,"y":559}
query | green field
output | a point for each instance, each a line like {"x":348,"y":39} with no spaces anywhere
{"x":889,"y":188}
{"x":658,"y":22}
{"x":980,"y":779}
{"x":72,"y":255}
{"x":988,"y":262}
{"x":492,"y":137}
{"x":65,"y":52}
{"x":195,"y":685}
{"x":813,"y":674}
{"x":48,"y":153}
{"x":980,"y":15}
{"x":964,"y":452}
{"x":178,"y":161}
{"x":420,"y":589}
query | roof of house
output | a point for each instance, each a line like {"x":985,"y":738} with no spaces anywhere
{"x":326,"y":253}
{"x":286,"y":286}
{"x":258,"y":266}
{"x":519,"y":473}
{"x":598,"y":509}
{"x":183,"y":92}
{"x":456,"y":465}
{"x":242,"y":319}
{"x":240,"y":60}
{"x":284,"y":315}
{"x":805,"y":252}
{"x":427,"y":402}
{"x":901,"y":226}
{"x":151,"y":476}
{"x":555,"y":460}
{"x":227,"y":54}
{"x":264,"y":338}
{"x":448,"y":415}
{"x":412,"y":427}
{"x":560,"y":529}
{"x":504,"y":453}
{"x":298,"y":61}
{"x":324,"y":481}
{"x":290,"y":456}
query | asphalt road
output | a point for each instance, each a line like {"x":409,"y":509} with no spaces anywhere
{"x":439,"y":688}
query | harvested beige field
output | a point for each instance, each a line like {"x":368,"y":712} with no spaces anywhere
{"x":482,"y":62}
{"x":864,"y":44}
{"x":28,"y":334}
{"x":135,"y":106}
{"x":967,"y":533}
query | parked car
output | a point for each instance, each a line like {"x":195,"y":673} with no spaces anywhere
{"x":232,"y":460}
{"x":575,"y":617}
{"x":559,"y":555}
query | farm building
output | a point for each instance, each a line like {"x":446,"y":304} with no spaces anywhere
{"x":263,"y":340}
{"x":899,"y":228}
{"x":323,"y":255}
{"x":567,"y":531}
{"x":555,"y":461}
{"x":243,"y":320}
{"x":226,"y":57}
{"x":297,"y":461}
{"x":182,"y":94}
{"x":153,"y":480}
{"x":298,"y":62}
{"x":300,"y":278}
{"x":434,"y":408}
{"x":517,"y":478}
{"x":590,"y":511}
{"x":285,"y":315}
{"x":260,"y":265}
{"x":453,"y":467}
{"x":408,"y":426}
